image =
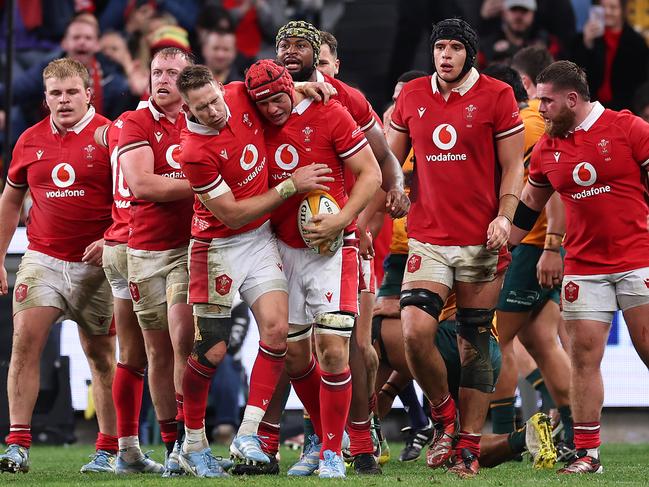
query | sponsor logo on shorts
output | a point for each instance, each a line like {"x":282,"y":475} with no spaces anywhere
{"x":646,"y":282}
{"x":571,"y":292}
{"x":414,"y":263}
{"x":279,"y":266}
{"x":223,"y":284}
{"x":21,"y":292}
{"x":329,"y":295}
{"x":135,"y":292}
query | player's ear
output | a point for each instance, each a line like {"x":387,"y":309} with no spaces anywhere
{"x":571,"y":99}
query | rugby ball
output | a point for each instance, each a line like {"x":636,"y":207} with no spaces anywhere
{"x":315,"y":203}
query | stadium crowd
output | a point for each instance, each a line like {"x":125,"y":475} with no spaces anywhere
{"x":190,"y":156}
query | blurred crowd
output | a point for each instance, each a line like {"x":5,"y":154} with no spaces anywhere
{"x":115,"y":39}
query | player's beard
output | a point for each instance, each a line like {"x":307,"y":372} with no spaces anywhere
{"x":562,"y":123}
{"x":303,"y":74}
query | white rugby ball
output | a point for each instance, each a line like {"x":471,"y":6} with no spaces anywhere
{"x":315,"y":203}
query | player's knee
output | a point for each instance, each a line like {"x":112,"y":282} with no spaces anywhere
{"x":474,"y":326}
{"x":333,"y":357}
{"x":274,"y":332}
{"x":428,"y":301}
{"x":416,"y":335}
{"x":100,"y":360}
{"x":211,"y":340}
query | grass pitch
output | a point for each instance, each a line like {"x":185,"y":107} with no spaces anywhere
{"x":623,"y":465}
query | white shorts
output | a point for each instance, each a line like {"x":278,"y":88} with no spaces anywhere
{"x":115,"y":263}
{"x":319,"y":287}
{"x":157,"y":279}
{"x":79,"y":290}
{"x":446,"y":264}
{"x":367,"y":278}
{"x":597,"y":297}
{"x":248,"y":263}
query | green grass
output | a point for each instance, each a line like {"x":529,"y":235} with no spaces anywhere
{"x":624,"y":465}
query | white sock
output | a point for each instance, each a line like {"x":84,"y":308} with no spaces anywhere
{"x":195,"y":440}
{"x":252,"y":416}
{"x":129,"y":448}
{"x":593,"y":452}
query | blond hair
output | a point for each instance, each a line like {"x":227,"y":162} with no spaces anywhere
{"x":66,"y":68}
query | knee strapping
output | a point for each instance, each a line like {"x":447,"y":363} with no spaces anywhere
{"x":424,"y":299}
{"x":210,"y":332}
{"x":474,"y":326}
{"x":334,"y":323}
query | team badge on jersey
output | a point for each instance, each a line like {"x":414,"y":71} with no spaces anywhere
{"x":246,"y":120}
{"x":223,"y":284}
{"x":414,"y":263}
{"x":469,"y":114}
{"x":571,"y":292}
{"x":21,"y":292}
{"x":308,"y":132}
{"x":604,"y":149}
{"x":89,"y":149}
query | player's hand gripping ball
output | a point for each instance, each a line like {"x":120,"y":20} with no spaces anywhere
{"x":315,"y":203}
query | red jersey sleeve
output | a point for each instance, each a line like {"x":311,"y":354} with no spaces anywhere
{"x":201,"y":170}
{"x":536,"y":176}
{"x":397,"y":120}
{"x":356,"y":103}
{"x":637,"y":131}
{"x":17,"y":175}
{"x":507,"y":120}
{"x":348,"y":138}
{"x":134,"y":134}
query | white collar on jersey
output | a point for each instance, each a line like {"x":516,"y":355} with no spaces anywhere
{"x":157,"y":115}
{"x":471,"y":80}
{"x":591,"y":118}
{"x":80,"y":125}
{"x":301,"y":107}
{"x":319,"y":77}
{"x":199,"y":128}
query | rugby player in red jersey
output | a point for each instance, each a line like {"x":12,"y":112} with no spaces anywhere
{"x":467,"y":137}
{"x":232,"y":250}
{"x":68,"y":177}
{"x":323,"y":289}
{"x":160,"y":223}
{"x":596,"y":160}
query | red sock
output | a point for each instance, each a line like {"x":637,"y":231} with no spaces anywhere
{"x":307,"y":388}
{"x":470,"y":441}
{"x":359,"y":437}
{"x":335,"y":398}
{"x":269,"y":434}
{"x":107,"y":443}
{"x":444,"y":412}
{"x":196,"y":383}
{"x":180,"y":409}
{"x":265,"y":374}
{"x":168,"y":430}
{"x":587,"y":435}
{"x":19,"y":434}
{"x":127,"y":396}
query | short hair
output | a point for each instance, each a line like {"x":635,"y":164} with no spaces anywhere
{"x":510,"y":76}
{"x":66,"y":68}
{"x":565,"y":75}
{"x":410,"y":75}
{"x":167,"y":52}
{"x":83,"y":18}
{"x":531,"y":60}
{"x":329,"y":39}
{"x":193,"y":77}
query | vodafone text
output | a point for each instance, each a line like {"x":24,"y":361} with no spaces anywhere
{"x":64,"y":193}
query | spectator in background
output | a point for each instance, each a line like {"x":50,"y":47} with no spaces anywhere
{"x":219,"y":50}
{"x":113,"y":45}
{"x":516,"y":31}
{"x":641,"y":102}
{"x":614,"y":56}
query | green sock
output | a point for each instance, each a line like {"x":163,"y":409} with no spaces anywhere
{"x":536,"y":379}
{"x":503,"y":415}
{"x":566,"y":419}
{"x":516,"y":441}
{"x":308,"y":431}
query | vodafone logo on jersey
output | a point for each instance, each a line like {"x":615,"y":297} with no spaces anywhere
{"x":63,"y":175}
{"x":248,"y":161}
{"x":585,"y":175}
{"x":445,"y":136}
{"x":171,"y":156}
{"x":286,"y":157}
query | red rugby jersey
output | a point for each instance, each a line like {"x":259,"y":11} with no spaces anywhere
{"x":70,"y":184}
{"x":230,"y":159}
{"x":314,"y":132}
{"x":118,"y":231}
{"x":597,"y":170}
{"x":456,"y":177}
{"x":157,"y":226}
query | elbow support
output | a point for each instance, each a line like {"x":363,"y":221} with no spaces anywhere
{"x":525,"y":217}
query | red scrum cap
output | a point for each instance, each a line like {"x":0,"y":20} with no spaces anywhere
{"x":265,"y":78}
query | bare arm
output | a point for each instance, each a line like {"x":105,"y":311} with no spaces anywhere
{"x":324,"y":228}
{"x":510,"y":156}
{"x":399,"y":143}
{"x":238,"y":213}
{"x":549,"y":269}
{"x":138,"y":166}
{"x":397,"y":202}
{"x":11,"y":204}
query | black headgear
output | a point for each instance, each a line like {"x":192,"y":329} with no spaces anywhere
{"x":461,"y":31}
